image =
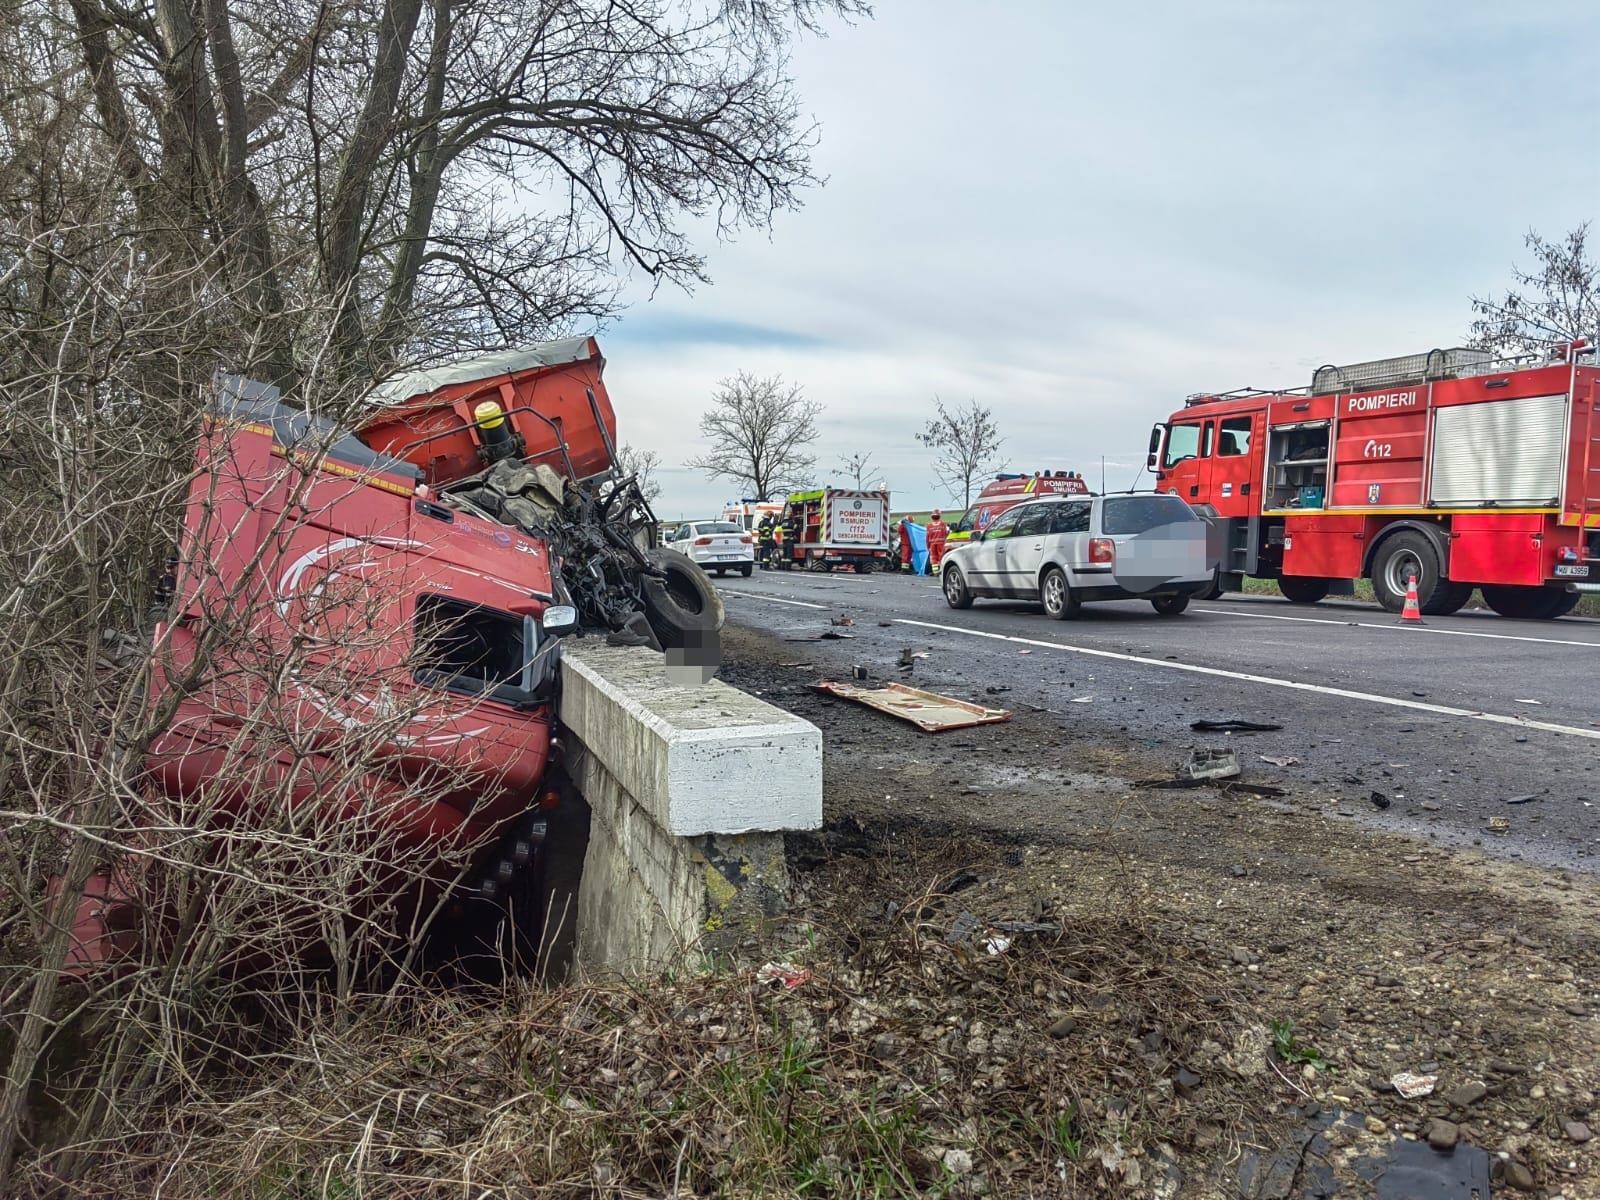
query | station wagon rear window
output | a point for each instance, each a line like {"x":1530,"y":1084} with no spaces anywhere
{"x":1136,"y":514}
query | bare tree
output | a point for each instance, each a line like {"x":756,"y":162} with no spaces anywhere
{"x":1556,"y":301}
{"x":420,"y":177}
{"x":758,"y":429}
{"x":857,"y":468}
{"x":968,"y":444}
{"x":641,"y":464}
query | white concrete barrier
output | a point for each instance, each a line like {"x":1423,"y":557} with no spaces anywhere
{"x":689,"y":791}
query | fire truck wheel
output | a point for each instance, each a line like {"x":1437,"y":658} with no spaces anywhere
{"x":1303,"y":589}
{"x":1529,"y":603}
{"x":685,"y":602}
{"x":1060,"y":601}
{"x":1446,"y":599}
{"x":956,"y":594}
{"x":1170,"y":606}
{"x":1400,"y":557}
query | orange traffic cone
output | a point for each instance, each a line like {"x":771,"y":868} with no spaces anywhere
{"x":1411,"y":614}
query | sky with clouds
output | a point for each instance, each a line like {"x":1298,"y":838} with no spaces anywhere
{"x":1080,"y":213}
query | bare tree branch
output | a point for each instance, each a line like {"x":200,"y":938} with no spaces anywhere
{"x":1556,"y":301}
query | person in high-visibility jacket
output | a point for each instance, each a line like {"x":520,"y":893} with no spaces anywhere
{"x":905,"y":544}
{"x":765,"y":540}
{"x":938,"y":534}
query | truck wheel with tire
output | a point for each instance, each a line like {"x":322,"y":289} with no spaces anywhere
{"x":1060,"y":603}
{"x":1305,"y":589}
{"x":956,"y":594}
{"x":1402,"y":556}
{"x":1529,"y":603}
{"x":684,"y":602}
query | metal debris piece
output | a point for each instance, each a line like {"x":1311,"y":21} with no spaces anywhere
{"x":843,"y":621}
{"x":1234,"y":726}
{"x":1286,"y":760}
{"x":1520,"y":799}
{"x":1499,"y":824}
{"x":928,"y":711}
{"x":1210,"y":764}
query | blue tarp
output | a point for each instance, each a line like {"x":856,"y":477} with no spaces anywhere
{"x":919,"y":546}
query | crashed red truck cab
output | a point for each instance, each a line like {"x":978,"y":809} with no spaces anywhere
{"x":1450,"y":467}
{"x":400,"y":590}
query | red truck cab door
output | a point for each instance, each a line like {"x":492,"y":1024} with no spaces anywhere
{"x":1235,"y":465}
{"x":1185,"y":464}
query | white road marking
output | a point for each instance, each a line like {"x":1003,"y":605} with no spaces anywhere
{"x":772,"y":599}
{"x":1295,"y":685}
{"x":1504,"y":637}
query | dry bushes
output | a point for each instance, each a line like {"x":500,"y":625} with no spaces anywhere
{"x":908,"y":1065}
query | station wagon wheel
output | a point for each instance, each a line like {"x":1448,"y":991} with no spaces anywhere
{"x":1170,"y":606}
{"x":1058,"y":598}
{"x":956,"y":594}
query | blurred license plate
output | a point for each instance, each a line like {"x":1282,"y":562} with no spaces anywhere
{"x":1578,"y":571}
{"x":727,"y":556}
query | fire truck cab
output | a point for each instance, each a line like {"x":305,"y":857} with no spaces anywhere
{"x":1451,"y":467}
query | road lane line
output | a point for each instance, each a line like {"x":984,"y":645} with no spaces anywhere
{"x":1295,"y":685}
{"x":772,"y":599}
{"x":1505,"y":637}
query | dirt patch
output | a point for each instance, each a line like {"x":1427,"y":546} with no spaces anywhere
{"x":1371,"y":952}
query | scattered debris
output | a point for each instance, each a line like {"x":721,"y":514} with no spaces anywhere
{"x":1520,"y":799}
{"x":1286,"y":760}
{"x":1081,"y":700}
{"x":1380,"y":801}
{"x":859,"y":672}
{"x":1024,"y":651}
{"x":928,"y":711}
{"x":841,"y":620}
{"x":885,"y":624}
{"x":1227,"y":787}
{"x":994,"y":689}
{"x":1528,"y":702}
{"x":907,"y":659}
{"x":1412,"y":1086}
{"x":1234,"y":726}
{"x":789,"y":975}
{"x":1210,"y":764}
{"x":1499,"y":824}
{"x":997,"y":943}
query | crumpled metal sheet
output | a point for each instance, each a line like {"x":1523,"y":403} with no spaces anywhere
{"x":928,"y":711}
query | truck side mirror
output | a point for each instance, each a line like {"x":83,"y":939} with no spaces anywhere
{"x":1156,"y":435}
{"x":559,"y":620}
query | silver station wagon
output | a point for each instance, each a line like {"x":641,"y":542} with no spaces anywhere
{"x":1065,"y":552}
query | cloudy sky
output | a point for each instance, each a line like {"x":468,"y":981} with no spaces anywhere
{"x":1079,"y":213}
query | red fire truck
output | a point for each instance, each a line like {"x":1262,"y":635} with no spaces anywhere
{"x":1451,"y":467}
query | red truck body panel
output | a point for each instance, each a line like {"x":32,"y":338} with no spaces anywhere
{"x":551,"y":394}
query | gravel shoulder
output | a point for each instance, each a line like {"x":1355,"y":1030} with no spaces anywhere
{"x":1384,"y":954}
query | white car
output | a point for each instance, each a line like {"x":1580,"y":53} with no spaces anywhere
{"x":1063,"y":552}
{"x":719,"y":546}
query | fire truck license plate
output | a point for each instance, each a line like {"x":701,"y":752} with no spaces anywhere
{"x":1579,"y":571}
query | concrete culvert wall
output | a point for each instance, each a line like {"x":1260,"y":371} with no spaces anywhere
{"x":689,"y":791}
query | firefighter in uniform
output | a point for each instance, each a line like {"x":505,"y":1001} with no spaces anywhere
{"x":789,"y":534}
{"x":764,"y":540}
{"x":938,"y":534}
{"x":905,"y":544}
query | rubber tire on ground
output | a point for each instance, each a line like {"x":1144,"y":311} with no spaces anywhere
{"x":1395,"y":553}
{"x":1060,"y":602}
{"x":863,"y":568}
{"x":956,"y":593}
{"x":685,"y":602}
{"x":1447,"y":598}
{"x":1213,"y":589}
{"x":1302,"y":589}
{"x":1529,"y":603}
{"x":1170,"y":606}
{"x":722,"y":572}
{"x":747,"y":570}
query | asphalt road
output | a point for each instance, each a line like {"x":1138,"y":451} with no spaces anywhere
{"x":1448,"y":721}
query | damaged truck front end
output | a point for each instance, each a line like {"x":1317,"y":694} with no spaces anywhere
{"x":367,"y":626}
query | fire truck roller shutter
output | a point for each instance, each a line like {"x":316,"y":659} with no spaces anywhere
{"x":1418,"y":548}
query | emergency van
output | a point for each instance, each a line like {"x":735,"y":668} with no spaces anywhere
{"x":1006,"y":490}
